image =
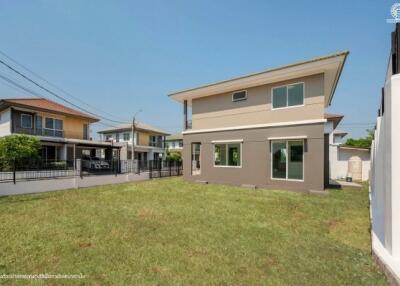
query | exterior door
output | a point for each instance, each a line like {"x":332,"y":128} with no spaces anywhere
{"x":326,"y":160}
{"x":196,"y":159}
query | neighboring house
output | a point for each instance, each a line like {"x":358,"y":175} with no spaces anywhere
{"x":264,"y":129}
{"x":64,"y":133}
{"x":345,"y":160}
{"x":149,"y":141}
{"x":174,"y":143}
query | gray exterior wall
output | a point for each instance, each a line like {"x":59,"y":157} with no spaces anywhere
{"x":256,"y":157}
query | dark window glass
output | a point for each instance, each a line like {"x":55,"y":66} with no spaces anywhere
{"x":38,"y":122}
{"x":279,"y":160}
{"x":58,"y":124}
{"x":49,"y":123}
{"x":279,"y":97}
{"x":295,"y":163}
{"x":240,"y":95}
{"x":295,"y":94}
{"x":26,"y":121}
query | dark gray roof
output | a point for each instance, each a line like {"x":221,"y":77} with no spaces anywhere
{"x":139,"y":126}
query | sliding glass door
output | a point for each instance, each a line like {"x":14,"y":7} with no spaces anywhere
{"x":287,"y":159}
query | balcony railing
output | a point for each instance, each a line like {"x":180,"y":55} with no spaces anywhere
{"x":188,"y":124}
{"x":157,"y":144}
{"x":39,"y":131}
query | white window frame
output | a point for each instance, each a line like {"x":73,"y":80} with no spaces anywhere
{"x":54,"y":124}
{"x":287,"y":159}
{"x":30,"y":115}
{"x":191,"y":159}
{"x":287,"y":96}
{"x":227,"y":142}
{"x":239,"y":100}
{"x":129,"y":136}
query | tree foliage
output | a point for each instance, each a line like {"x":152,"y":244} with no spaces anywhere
{"x":174,"y":156}
{"x":17,"y":147}
{"x":362,"y":142}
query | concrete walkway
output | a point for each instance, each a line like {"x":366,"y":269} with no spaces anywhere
{"x":339,"y":184}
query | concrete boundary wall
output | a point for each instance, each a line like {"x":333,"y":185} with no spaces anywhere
{"x":385,"y":182}
{"x":56,"y":184}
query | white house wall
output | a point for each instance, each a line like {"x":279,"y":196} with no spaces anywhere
{"x":5,"y":122}
{"x":338,"y":162}
{"x":385,"y":180}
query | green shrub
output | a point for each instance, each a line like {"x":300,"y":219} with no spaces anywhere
{"x":19,"y":147}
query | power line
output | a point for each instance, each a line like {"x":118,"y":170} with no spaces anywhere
{"x":20,"y":86}
{"x":53,"y":85}
{"x":55,"y":94}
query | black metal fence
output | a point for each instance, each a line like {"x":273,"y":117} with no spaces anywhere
{"x":36,"y":169}
{"x":164,"y":168}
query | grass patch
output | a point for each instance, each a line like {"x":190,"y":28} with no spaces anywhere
{"x":171,"y":232}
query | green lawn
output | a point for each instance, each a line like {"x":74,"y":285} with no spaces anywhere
{"x":171,"y":232}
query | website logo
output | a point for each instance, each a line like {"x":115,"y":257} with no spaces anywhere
{"x":395,"y":13}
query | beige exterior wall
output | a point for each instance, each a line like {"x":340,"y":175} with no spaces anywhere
{"x":144,"y":138}
{"x":218,"y":111}
{"x":256,"y":157}
{"x":73,"y":126}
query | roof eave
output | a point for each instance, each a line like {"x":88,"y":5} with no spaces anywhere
{"x":7,"y":104}
{"x":332,"y":63}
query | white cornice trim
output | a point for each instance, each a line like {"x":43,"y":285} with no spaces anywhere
{"x":279,"y":124}
{"x":288,"y":137}
{"x":228,"y":141}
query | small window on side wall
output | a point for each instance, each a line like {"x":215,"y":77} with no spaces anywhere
{"x":239,"y":95}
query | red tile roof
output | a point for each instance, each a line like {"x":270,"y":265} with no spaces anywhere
{"x":45,"y":105}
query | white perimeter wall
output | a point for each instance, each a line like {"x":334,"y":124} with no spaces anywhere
{"x":39,"y":186}
{"x":385,"y":180}
{"x":339,"y":158}
{"x":5,"y":122}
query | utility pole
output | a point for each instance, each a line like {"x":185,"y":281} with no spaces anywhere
{"x":133,"y":139}
{"x":133,"y":135}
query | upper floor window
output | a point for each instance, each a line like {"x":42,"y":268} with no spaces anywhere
{"x":38,"y":122}
{"x":26,"y":120}
{"x":239,"y":95}
{"x":288,"y":95}
{"x":86,"y":131}
{"x":117,"y":137}
{"x":156,"y":141}
{"x":53,"y":127}
{"x":127,"y":136}
{"x":109,"y":137}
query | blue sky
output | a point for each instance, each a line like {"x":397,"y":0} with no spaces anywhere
{"x":121,"y":56}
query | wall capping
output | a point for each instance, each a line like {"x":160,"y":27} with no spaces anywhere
{"x":255,"y":126}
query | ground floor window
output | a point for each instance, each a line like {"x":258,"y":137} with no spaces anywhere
{"x":196,"y":151}
{"x":288,"y":159}
{"x":227,"y":154}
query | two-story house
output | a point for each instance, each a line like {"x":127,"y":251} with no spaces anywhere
{"x":64,"y":133}
{"x":264,"y":129}
{"x":148,"y":141}
{"x":174,"y":143}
